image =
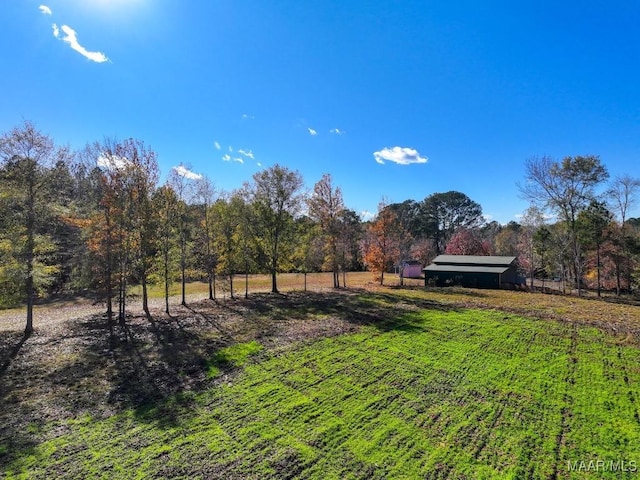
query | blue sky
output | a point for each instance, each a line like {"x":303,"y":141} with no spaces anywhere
{"x":467,"y":90}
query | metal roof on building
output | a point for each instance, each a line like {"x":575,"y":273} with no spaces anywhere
{"x":466,"y":268}
{"x":472,"y":260}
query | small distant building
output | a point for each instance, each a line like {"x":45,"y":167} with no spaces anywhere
{"x":473,"y":271}
{"x":410,"y":269}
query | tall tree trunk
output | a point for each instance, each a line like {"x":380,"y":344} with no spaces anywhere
{"x":577,"y":269}
{"x":598,"y":265}
{"x":29,"y":253}
{"x":122,"y":299}
{"x":210,"y":279}
{"x":231,"y":284}
{"x":166,"y":276}
{"x":145,"y":296}
{"x":274,"y":263}
{"x":108,"y":271}
{"x":30,"y":248}
{"x":183,"y":267}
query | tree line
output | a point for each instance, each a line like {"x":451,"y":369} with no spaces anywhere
{"x":98,"y":220}
{"x":576,"y":230}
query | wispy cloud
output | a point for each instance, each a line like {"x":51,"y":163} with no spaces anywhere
{"x":44,"y":9}
{"x":247,"y":117}
{"x":259,"y":164}
{"x":217,"y":145}
{"x":312,"y":132}
{"x":399,"y":155}
{"x":336,"y":131}
{"x":186,"y":173}
{"x":228,"y":158}
{"x":246,"y":153}
{"x":230,"y":149}
{"x":71,"y":38}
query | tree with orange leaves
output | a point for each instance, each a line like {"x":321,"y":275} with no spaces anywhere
{"x":381,"y":245}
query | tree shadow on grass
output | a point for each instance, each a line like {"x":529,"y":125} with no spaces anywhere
{"x":154,"y":365}
{"x":154,"y":361}
{"x":10,"y":345}
{"x":13,"y":434}
{"x":453,"y":290}
{"x":383,"y":311}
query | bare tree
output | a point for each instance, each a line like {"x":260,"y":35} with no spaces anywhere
{"x":205,"y":196}
{"x":622,"y":195}
{"x":532,"y":220}
{"x":179,"y":179}
{"x":166,"y":203}
{"x":565,"y":187}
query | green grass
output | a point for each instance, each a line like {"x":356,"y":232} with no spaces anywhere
{"x":436,"y":394}
{"x":232,"y":356}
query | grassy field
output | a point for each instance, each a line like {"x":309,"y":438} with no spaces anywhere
{"x":287,"y":282}
{"x":377,"y":383}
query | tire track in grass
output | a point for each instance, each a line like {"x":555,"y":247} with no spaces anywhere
{"x":509,"y":397}
{"x":627,"y":382}
{"x":566,"y":412}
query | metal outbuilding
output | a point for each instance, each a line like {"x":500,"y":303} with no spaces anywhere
{"x":474,"y":271}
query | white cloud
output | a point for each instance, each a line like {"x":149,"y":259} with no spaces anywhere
{"x":238,"y":159}
{"x":247,"y":117}
{"x":399,"y":155}
{"x":366,"y":215}
{"x":70,"y":37}
{"x":186,"y":173}
{"x":246,"y":153}
{"x":312,"y":132}
{"x":44,"y":9}
{"x":259,"y":164}
{"x":226,"y":157}
{"x":112,"y":162}
{"x":336,"y":131}
{"x":230,"y":148}
{"x":217,"y":145}
{"x":56,"y":30}
{"x":545,"y":216}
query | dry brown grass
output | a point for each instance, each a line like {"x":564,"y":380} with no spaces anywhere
{"x":605,"y":313}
